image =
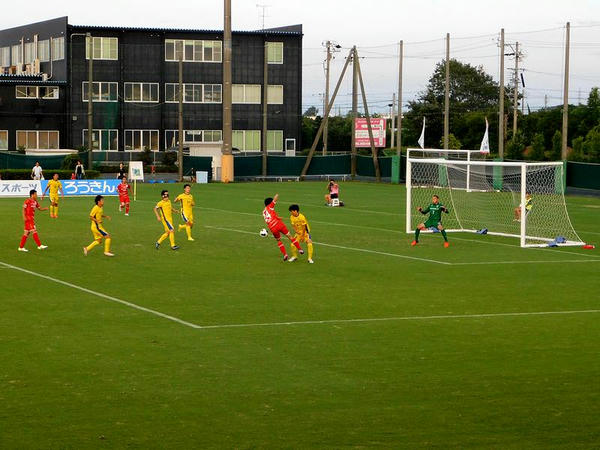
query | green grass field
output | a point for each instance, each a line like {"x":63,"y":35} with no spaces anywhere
{"x":481,"y":345}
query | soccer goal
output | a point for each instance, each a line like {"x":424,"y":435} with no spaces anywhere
{"x":515,"y":199}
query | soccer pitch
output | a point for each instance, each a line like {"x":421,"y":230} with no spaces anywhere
{"x":221,"y":344}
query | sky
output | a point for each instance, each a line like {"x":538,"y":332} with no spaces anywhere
{"x":376,"y":28}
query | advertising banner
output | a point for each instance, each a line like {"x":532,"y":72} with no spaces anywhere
{"x":19,"y":188}
{"x":362,"y":132}
{"x":136,"y":171}
{"x":87,"y":187}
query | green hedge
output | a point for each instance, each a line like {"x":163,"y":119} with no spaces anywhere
{"x":25,"y":174}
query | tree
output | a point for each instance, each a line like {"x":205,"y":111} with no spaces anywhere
{"x":538,"y":148}
{"x":312,"y":111}
{"x":556,"y":153}
{"x":515,"y":146}
{"x":473,"y":96}
{"x":453,"y":142}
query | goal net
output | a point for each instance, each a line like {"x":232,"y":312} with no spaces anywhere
{"x":489,"y":195}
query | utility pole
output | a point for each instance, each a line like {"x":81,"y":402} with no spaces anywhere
{"x":263,"y":14}
{"x":516,"y":91}
{"x":354,"y":111}
{"x":227,"y":156}
{"x":180,"y":113}
{"x":447,"y":94}
{"x":545,"y":100}
{"x":501,"y":99}
{"x":326,"y":100}
{"x":565,"y":122}
{"x":265,"y":101}
{"x":90,"y":43}
{"x":399,"y":131}
{"x":393,"y":120}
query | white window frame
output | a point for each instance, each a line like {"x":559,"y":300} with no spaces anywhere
{"x":272,"y":133}
{"x":142,"y":143}
{"x":37,"y":90}
{"x":141,"y":87}
{"x":5,"y":56}
{"x":43,"y":50}
{"x":244,"y":149}
{"x":28,"y":89}
{"x":103,"y":46}
{"x":270,"y":94}
{"x":195,"y":47}
{"x":5,"y":133}
{"x":271,"y":45}
{"x":100,"y":131}
{"x":244,"y":100}
{"x":37,"y":133}
{"x":194,"y":86}
{"x":202,"y":133}
{"x":58,"y":48}
{"x":106,"y":85}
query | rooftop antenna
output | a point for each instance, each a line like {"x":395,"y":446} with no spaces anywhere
{"x":263,"y":14}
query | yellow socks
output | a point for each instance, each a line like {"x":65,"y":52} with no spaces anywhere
{"x":107,"y":245}
{"x":294,"y":251}
{"x":310,"y":251}
{"x":163,"y":237}
{"x":172,"y":239}
{"x":188,"y":230}
{"x":181,"y":227}
{"x":92,"y":245}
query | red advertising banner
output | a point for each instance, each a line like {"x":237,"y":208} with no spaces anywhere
{"x":362,"y":132}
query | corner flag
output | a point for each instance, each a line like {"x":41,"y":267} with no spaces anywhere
{"x":485,"y":143}
{"x":422,"y":138}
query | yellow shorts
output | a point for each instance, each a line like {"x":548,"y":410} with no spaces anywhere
{"x":98,"y":231}
{"x":304,"y":237}
{"x":168,"y":225}
{"x":188,"y":217}
{"x":54,"y":198}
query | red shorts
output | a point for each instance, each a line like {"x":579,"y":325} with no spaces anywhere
{"x":124,"y":199}
{"x":277,"y":229}
{"x":29,"y":225}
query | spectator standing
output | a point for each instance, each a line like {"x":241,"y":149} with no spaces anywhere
{"x":79,"y":171}
{"x":36,"y":172}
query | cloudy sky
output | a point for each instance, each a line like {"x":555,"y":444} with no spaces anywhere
{"x":376,"y":28}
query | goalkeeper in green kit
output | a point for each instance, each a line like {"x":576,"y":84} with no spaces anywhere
{"x":434,"y":210}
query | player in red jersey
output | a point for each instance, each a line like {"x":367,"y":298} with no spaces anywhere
{"x":29,"y":207}
{"x":124,"y":189}
{"x":277,"y":226}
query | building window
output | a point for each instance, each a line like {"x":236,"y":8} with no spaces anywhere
{"x":275,"y":52}
{"x":246,"y":140}
{"x":26,"y":92}
{"x":3,"y":139}
{"x":275,"y":140}
{"x":48,"y":92}
{"x":193,"y":50}
{"x":246,"y":93}
{"x":101,"y":91}
{"x":192,"y":137}
{"x":193,"y":93}
{"x":16,"y":54}
{"x":138,"y":140}
{"x":43,"y":50}
{"x":275,"y":94}
{"x":29,"y":52}
{"x":5,"y":56}
{"x":141,"y":92}
{"x":58,"y":48}
{"x":45,"y":92}
{"x":103,"y":48}
{"x":106,"y":140}
{"x":38,"y":140}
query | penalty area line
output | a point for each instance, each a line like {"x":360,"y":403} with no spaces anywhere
{"x":364,"y":250}
{"x":101,"y":295}
{"x":401,"y":318}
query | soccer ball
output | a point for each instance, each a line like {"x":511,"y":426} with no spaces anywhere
{"x":263,"y":233}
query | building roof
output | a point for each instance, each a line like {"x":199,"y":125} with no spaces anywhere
{"x":29,"y":79}
{"x":290,"y":30}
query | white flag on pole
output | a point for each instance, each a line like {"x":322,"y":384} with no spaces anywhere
{"x":485,"y":143}
{"x":422,"y":138}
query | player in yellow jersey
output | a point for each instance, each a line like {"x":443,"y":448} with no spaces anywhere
{"x":54,"y":185}
{"x":163,"y":211}
{"x":302,"y":229}
{"x":97,"y":216}
{"x":187,"y":214}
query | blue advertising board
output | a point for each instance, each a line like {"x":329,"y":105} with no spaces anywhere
{"x":87,"y":187}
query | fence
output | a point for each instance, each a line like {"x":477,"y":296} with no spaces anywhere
{"x":583,"y":175}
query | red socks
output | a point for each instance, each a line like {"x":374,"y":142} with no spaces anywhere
{"x":23,"y":240}
{"x":36,"y":239}
{"x":296,"y":244}
{"x":281,"y":247}
{"x":127,"y":208}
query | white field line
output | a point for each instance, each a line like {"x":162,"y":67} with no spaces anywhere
{"x":364,"y":250}
{"x":560,"y":261}
{"x":344,"y":208}
{"x":101,"y":295}
{"x":395,"y":319}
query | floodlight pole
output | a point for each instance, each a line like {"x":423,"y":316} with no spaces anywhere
{"x":354,"y":113}
{"x":447,"y":94}
{"x":399,"y":131}
{"x":226,"y":151}
{"x":265,"y":101}
{"x":565,"y":121}
{"x":501,"y":100}
{"x":180,"y":114}
{"x":90,"y":116}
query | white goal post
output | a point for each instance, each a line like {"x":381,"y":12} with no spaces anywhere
{"x":515,"y":199}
